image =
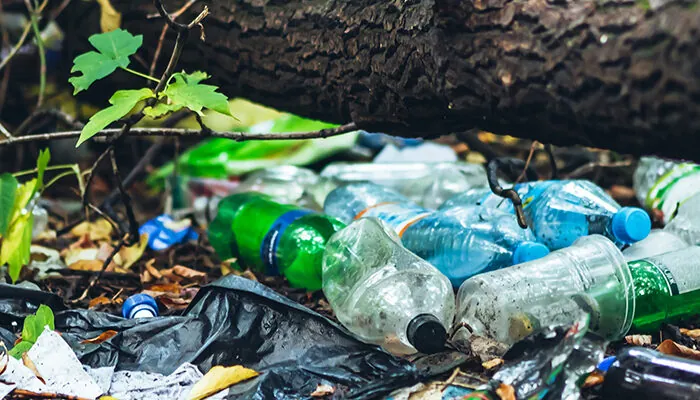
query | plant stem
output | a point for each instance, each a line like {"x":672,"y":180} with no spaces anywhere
{"x":59,"y":176}
{"x":137,"y":73}
{"x":34,"y":18}
{"x":48,"y":168}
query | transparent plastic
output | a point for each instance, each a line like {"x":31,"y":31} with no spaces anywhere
{"x":289,"y":185}
{"x":662,"y":185}
{"x":460,"y":242}
{"x":376,"y":287}
{"x":686,"y":223}
{"x":40,"y":221}
{"x":559,"y":212}
{"x":659,"y":241}
{"x":510,"y":303}
{"x":426,"y":184}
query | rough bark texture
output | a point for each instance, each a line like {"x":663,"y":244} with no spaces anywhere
{"x":618,"y":74}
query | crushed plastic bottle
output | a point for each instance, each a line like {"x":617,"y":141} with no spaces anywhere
{"x":663,"y":184}
{"x":139,"y":305}
{"x":460,"y":242}
{"x":288,"y":184}
{"x":591,"y":275}
{"x":272,"y":238}
{"x":385,"y":294}
{"x":559,"y":212}
{"x":427,"y":184}
{"x":643,"y":374}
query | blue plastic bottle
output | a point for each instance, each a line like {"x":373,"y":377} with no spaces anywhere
{"x":559,"y":212}
{"x":139,"y":305}
{"x":460,"y":242}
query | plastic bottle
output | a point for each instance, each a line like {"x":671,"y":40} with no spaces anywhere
{"x":559,"y":212}
{"x":427,"y":184}
{"x":644,"y":374}
{"x":662,"y":184}
{"x":289,"y":185}
{"x":140,"y":305}
{"x":460,"y":242}
{"x":272,"y":238}
{"x":592,"y":276}
{"x":385,"y":294}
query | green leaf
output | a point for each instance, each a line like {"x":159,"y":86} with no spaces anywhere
{"x":16,"y":244}
{"x":161,"y":109}
{"x":41,"y":163}
{"x":114,"y":48}
{"x":20,"y":348}
{"x":31,"y":329}
{"x":8,"y":188}
{"x":186,"y":91}
{"x":122,"y":102}
{"x":44,"y":316}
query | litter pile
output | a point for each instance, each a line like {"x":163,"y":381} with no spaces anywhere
{"x":426,"y":266}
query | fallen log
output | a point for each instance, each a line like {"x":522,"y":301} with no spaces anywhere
{"x":617,"y":74}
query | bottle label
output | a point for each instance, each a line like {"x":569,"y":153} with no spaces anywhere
{"x":529,"y":191}
{"x":398,"y":216}
{"x":661,"y":194}
{"x":671,"y":282}
{"x":268,"y":248}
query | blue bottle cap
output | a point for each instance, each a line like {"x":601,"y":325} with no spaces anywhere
{"x":528,"y":251}
{"x":139,"y":304}
{"x":631,"y":224}
{"x":606,"y":363}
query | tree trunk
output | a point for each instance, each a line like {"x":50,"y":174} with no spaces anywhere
{"x":617,"y":74}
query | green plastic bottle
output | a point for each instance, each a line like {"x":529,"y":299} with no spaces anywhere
{"x":273,"y":238}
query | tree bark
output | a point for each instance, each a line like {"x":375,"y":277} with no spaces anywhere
{"x":617,"y":74}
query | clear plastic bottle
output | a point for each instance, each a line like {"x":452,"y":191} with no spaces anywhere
{"x":559,"y":212}
{"x":289,"y":185}
{"x":591,"y":275}
{"x":426,"y":184}
{"x":662,"y":184}
{"x":385,"y":294}
{"x":686,"y":222}
{"x":460,"y":242}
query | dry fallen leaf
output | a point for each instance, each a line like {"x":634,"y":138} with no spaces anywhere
{"x":30,"y":364}
{"x":174,"y":303}
{"x":98,"y":301}
{"x":110,"y":19}
{"x":506,"y":392}
{"x":104,"y":336}
{"x":87,"y":265}
{"x":323,"y":391}
{"x":98,"y":230}
{"x":670,"y":347}
{"x":127,"y":256}
{"x":639,"y":340}
{"x":179,"y":272}
{"x":219,"y":378}
{"x":165,"y":288}
{"x":595,"y":378}
{"x":693,"y":333}
{"x":491,"y":364}
{"x":152,"y":269}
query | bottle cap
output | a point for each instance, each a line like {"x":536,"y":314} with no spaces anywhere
{"x":606,"y":363}
{"x":528,"y":251}
{"x":427,"y":334}
{"x":140,"y":305}
{"x":631,"y":224}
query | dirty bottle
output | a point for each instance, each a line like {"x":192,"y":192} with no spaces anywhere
{"x":140,"y":305}
{"x":460,"y":242}
{"x":559,"y":212}
{"x":645,"y":374}
{"x":662,"y":184}
{"x":385,"y":294}
{"x":272,"y":238}
{"x":426,"y":184}
{"x":591,"y":275}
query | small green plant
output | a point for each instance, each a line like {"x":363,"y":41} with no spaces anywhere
{"x":33,"y":327}
{"x":182,"y":90}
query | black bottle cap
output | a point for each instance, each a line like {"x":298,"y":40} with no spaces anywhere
{"x":427,"y":334}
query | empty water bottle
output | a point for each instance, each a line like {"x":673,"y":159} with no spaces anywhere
{"x":427,"y":184}
{"x":140,"y":305}
{"x":272,"y":238}
{"x":662,"y":184}
{"x":592,"y":276}
{"x":643,"y":374}
{"x":686,"y":222}
{"x":460,"y":242}
{"x":288,"y":184}
{"x":559,"y":212}
{"x":385,"y":294}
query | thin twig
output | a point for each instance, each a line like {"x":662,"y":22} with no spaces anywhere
{"x":552,"y":161}
{"x":177,"y":132}
{"x":591,"y":166}
{"x":107,"y":218}
{"x":44,"y":395}
{"x":34,"y":18}
{"x":106,"y":263}
{"x":156,"y":55}
{"x":527,"y":162}
{"x":20,"y":43}
{"x":126,"y":200}
{"x":4,"y":132}
{"x":6,"y":75}
{"x":91,"y":173}
{"x":66,"y":118}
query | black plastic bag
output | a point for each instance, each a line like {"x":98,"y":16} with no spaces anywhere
{"x":235,"y":321}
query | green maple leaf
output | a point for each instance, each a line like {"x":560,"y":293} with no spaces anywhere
{"x":121,"y":102}
{"x":114,"y":48}
{"x":186,"y":91}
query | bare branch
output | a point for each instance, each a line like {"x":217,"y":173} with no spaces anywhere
{"x":20,"y":42}
{"x":126,"y":200}
{"x":175,"y":132}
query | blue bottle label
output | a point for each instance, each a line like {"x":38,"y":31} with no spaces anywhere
{"x":268,"y":248}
